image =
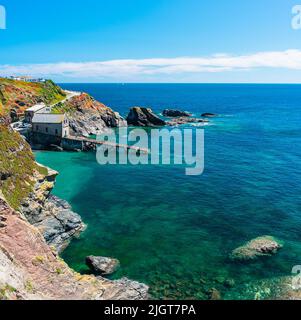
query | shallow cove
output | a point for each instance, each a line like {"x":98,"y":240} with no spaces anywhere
{"x":175,"y":232}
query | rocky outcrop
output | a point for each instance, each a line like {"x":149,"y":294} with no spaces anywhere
{"x":59,"y":224}
{"x":175,"y":113}
{"x":125,"y":289}
{"x":209,"y":115}
{"x":89,"y":117}
{"x":102,"y":265}
{"x":51,"y":215}
{"x":31,"y":270}
{"x":262,"y":246}
{"x":214,"y":294}
{"x":184,"y":120}
{"x":144,"y":117}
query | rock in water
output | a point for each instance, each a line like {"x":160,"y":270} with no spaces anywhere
{"x":214,"y":294}
{"x":102,"y":265}
{"x":175,"y":113}
{"x":262,"y":246}
{"x":185,"y":120}
{"x":209,"y":115}
{"x":144,"y":117}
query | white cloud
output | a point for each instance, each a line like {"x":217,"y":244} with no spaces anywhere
{"x":131,"y":68}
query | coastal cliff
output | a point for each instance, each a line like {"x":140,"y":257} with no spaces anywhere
{"x":29,"y":216}
{"x":17,"y":96}
{"x":30,"y":269}
{"x":35,"y":225}
{"x":88,"y":116}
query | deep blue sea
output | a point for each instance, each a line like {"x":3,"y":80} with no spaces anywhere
{"x":175,"y":232}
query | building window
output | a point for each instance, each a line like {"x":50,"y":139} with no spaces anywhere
{"x":37,"y":127}
{"x":46,"y":129}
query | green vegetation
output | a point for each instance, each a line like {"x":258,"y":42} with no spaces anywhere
{"x":59,"y":271}
{"x":63,"y":108}
{"x":51,"y":93}
{"x":17,"y":167}
{"x":20,"y":95}
{"x":5,"y":291}
{"x":29,"y":287}
{"x":38,"y":260}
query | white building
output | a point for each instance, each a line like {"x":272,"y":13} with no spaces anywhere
{"x":51,"y":124}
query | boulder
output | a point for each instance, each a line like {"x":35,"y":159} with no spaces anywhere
{"x":144,"y":117}
{"x":102,"y":265}
{"x":214,"y":294}
{"x":209,"y":115}
{"x":262,"y":246}
{"x":175,"y":113}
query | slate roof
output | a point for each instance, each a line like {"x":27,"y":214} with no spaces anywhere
{"x":48,"y":118}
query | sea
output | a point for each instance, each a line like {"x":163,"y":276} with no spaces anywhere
{"x":176,"y":232}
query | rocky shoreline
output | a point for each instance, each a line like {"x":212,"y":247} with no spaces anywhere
{"x":31,"y":270}
{"x":51,"y":215}
{"x":58,"y":224}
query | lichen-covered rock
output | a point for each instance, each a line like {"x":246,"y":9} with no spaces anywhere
{"x":262,"y":246}
{"x":102,"y":265}
{"x":175,"y":113}
{"x":144,"y":117}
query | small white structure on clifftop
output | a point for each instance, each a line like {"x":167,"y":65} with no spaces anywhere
{"x":51,"y":124}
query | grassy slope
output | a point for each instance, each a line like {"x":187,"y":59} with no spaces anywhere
{"x":20,"y":95}
{"x":17,"y":167}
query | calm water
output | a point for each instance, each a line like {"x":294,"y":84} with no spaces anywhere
{"x":175,"y":232}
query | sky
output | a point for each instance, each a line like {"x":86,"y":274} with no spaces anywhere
{"x":219,"y":41}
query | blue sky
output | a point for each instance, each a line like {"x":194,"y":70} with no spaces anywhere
{"x":152,"y":40}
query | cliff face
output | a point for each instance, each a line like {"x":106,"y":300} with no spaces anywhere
{"x":88,"y":116}
{"x":30,"y":216}
{"x":52,"y":216}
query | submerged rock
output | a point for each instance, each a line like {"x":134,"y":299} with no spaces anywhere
{"x":214,"y":294}
{"x":125,"y":289}
{"x":102,"y":265}
{"x":229,"y":283}
{"x":144,"y":117}
{"x":175,"y":113}
{"x":209,"y":115}
{"x":185,"y":120}
{"x":262,"y":246}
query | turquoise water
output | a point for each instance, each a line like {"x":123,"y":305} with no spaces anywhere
{"x":175,"y":232}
